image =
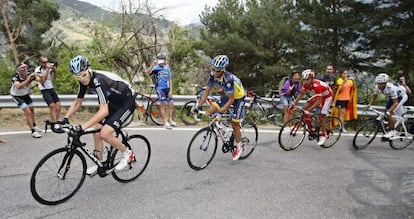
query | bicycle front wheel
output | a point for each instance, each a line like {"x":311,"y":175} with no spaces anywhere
{"x":249,"y":137}
{"x":202,"y":148}
{"x":292,"y":134}
{"x":278,"y":116}
{"x":402,"y":140}
{"x":365,"y":135}
{"x":142,"y":151}
{"x":58,"y":176}
{"x":333,"y":131}
{"x":255,"y":114}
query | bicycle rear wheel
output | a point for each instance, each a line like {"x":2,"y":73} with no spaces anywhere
{"x":142,"y":150}
{"x":365,"y":135}
{"x":58,"y":176}
{"x":249,"y":137}
{"x":278,"y":116}
{"x":154,"y":112}
{"x":403,"y":141}
{"x":202,"y":149}
{"x":333,"y":131}
{"x":255,"y":114}
{"x":292,"y":134}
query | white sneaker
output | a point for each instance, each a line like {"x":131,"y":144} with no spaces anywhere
{"x":173,"y":124}
{"x":127,"y":157}
{"x":390,"y":134}
{"x":92,"y":170}
{"x":167,"y":125}
{"x":322,"y":140}
{"x":37,"y":129}
{"x":237,"y":152}
{"x":36,"y":135}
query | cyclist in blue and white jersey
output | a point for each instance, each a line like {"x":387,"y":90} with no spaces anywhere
{"x":234,"y":90}
{"x":396,"y":96}
{"x":116,"y":103}
{"x":162,"y":77}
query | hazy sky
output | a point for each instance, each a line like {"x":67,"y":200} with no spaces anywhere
{"x":182,"y":11}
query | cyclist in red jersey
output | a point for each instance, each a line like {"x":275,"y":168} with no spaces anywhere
{"x":322,"y":99}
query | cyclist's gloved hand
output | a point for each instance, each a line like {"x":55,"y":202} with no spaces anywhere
{"x":217,"y":116}
{"x":65,"y":120}
{"x":77,"y":129}
{"x":387,"y":114}
{"x":196,"y":109}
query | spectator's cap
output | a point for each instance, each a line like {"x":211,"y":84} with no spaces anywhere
{"x":162,"y":56}
{"x":21,"y":66}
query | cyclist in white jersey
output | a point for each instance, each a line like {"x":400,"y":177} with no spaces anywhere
{"x":396,"y":97}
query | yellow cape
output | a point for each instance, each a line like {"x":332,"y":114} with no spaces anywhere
{"x":351,"y":112}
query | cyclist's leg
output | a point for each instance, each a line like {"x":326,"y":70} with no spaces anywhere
{"x":325,"y":106}
{"x":238,"y":112}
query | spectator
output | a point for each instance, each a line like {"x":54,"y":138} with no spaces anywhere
{"x":329,"y":77}
{"x":402,"y":81}
{"x":345,"y":99}
{"x":47,"y":72}
{"x":162,"y":77}
{"x":290,"y":89}
{"x":20,"y":93}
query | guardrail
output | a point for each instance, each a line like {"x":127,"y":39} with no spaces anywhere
{"x":91,"y":100}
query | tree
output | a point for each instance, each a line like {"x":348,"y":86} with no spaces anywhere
{"x":24,"y":22}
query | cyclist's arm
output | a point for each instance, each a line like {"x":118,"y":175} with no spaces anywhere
{"x":299,"y":97}
{"x":317,"y":103}
{"x":103,"y":112}
{"x":74,"y":107}
{"x":372,"y":100}
{"x":204,"y":97}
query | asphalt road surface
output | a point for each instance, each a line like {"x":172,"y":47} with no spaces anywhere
{"x":310,"y":182}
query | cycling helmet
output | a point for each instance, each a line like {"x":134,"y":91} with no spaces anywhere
{"x":382,"y":78}
{"x":161,"y":55}
{"x":220,"y":62}
{"x":78,"y":64}
{"x":308,"y":73}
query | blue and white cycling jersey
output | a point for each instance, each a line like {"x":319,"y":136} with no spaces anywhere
{"x":162,"y":76}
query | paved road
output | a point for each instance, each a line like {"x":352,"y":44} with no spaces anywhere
{"x":309,"y":182}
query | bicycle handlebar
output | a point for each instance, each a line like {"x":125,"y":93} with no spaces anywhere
{"x":58,"y":126}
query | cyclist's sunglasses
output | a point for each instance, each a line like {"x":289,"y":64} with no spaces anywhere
{"x":82,"y":75}
{"x":217,"y":70}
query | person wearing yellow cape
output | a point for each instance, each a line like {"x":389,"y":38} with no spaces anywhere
{"x":345,"y":99}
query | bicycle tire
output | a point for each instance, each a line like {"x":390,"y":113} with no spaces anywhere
{"x":200,"y":152}
{"x":186,"y":114}
{"x":292,"y":134}
{"x":142,"y":150}
{"x":255,"y":114}
{"x":365,"y":135}
{"x":249,"y":138}
{"x":333,"y":131}
{"x":154,"y":112}
{"x":402,"y":142}
{"x":46,"y":183}
{"x":278,"y":118}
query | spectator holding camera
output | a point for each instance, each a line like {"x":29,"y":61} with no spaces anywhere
{"x":47,"y":71}
{"x":20,"y":93}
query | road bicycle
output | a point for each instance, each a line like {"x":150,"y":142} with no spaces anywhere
{"x":260,"y":109}
{"x":61,"y":173}
{"x":148,"y":107}
{"x":186,"y":114}
{"x":293,"y":132}
{"x":368,"y":131}
{"x":203,"y":145}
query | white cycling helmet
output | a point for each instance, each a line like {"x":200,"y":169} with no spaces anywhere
{"x":308,"y":73}
{"x":382,"y":78}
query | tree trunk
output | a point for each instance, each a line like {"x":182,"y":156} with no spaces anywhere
{"x":3,"y":4}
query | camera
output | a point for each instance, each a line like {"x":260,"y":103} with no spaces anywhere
{"x":53,"y":64}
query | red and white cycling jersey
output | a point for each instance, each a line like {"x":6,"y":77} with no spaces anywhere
{"x":318,"y":87}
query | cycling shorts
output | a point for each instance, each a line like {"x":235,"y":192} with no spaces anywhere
{"x":163,"y":95}
{"x":325,"y":104}
{"x":50,"y":96}
{"x":238,"y":107}
{"x":119,"y":113}
{"x":23,"y":101}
